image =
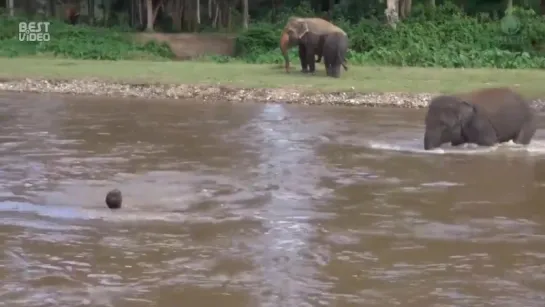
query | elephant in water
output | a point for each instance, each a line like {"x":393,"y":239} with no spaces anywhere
{"x":484,"y":117}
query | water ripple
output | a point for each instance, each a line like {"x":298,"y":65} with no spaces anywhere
{"x":260,"y":205}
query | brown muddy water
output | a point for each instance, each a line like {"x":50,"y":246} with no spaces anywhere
{"x":260,"y":205}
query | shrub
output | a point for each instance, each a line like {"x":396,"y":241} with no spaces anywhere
{"x":79,"y":42}
{"x":441,"y":37}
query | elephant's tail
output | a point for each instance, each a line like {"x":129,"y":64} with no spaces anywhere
{"x":341,"y":59}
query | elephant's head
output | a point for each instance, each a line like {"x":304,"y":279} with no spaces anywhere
{"x":293,"y":31}
{"x":445,"y":121}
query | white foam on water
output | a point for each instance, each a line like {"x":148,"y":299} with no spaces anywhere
{"x":124,"y":215}
{"x":441,"y":184}
{"x":536,"y":147}
{"x":68,"y":213}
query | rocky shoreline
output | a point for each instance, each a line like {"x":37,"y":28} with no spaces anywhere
{"x":211,"y":93}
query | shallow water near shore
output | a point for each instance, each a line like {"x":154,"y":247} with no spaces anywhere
{"x":260,"y":205}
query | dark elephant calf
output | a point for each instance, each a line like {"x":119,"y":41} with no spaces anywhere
{"x":310,"y":46}
{"x":334,"y":50}
{"x":484,"y":117}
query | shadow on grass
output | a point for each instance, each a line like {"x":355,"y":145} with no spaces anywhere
{"x":67,"y":64}
{"x":296,"y":71}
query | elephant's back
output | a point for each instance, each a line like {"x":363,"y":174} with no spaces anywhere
{"x":335,"y":42}
{"x":321,"y":26}
{"x":506,"y":109}
{"x":496,"y":99}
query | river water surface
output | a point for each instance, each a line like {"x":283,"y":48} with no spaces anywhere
{"x":260,"y":205}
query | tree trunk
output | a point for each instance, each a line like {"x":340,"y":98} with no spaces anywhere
{"x":219,"y":15}
{"x":509,"y":5}
{"x":431,"y":3}
{"x":198,"y":13}
{"x":187,"y":15}
{"x":11,"y":8}
{"x":216,"y":16}
{"x":245,"y":14}
{"x":151,"y":14}
{"x":177,"y":9}
{"x":52,"y":8}
{"x":404,"y":8}
{"x":149,"y":19}
{"x":139,"y":12}
{"x":132,"y":14}
{"x":190,"y":14}
{"x":391,"y":12}
{"x":107,"y":5}
{"x":274,"y":11}
{"x":156,"y":10}
{"x":30,"y":8}
{"x":228,"y":15}
{"x":91,"y":11}
{"x":542,"y":6}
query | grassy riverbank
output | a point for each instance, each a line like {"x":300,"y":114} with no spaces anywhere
{"x":359,"y":79}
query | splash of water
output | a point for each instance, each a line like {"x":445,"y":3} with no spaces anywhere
{"x":537,"y":147}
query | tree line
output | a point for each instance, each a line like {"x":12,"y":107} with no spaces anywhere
{"x":232,"y":15}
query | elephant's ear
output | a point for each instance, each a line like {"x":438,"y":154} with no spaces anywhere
{"x":296,"y":27}
{"x":466,"y":112}
{"x":302,"y":28}
{"x":476,"y":126}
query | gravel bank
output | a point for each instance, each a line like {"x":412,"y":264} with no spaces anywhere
{"x":220,"y":93}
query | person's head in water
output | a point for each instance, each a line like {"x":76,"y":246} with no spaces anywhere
{"x":114,"y":199}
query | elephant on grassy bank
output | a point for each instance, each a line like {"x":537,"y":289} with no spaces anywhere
{"x":310,"y":47}
{"x":294,"y":33}
{"x":332,"y":47}
{"x":334,"y":50}
{"x":484,"y":117}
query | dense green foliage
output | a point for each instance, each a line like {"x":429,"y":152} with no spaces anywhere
{"x":78,"y":42}
{"x":441,"y":37}
{"x":444,"y":36}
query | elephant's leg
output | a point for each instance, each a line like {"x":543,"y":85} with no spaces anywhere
{"x":526,"y":134}
{"x":303,"y":58}
{"x":336,"y":70}
{"x":310,"y":59}
{"x":326,"y":65}
{"x":486,"y":141}
{"x":320,"y":48}
{"x":480,"y":131}
{"x":331,"y":70}
{"x":458,"y":141}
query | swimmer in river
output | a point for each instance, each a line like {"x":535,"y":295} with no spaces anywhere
{"x":114,"y":199}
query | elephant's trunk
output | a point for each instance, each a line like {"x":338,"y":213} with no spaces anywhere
{"x":284,"y":46}
{"x":427,"y":143}
{"x":431,"y":140}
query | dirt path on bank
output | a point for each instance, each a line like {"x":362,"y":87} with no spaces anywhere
{"x":187,"y":45}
